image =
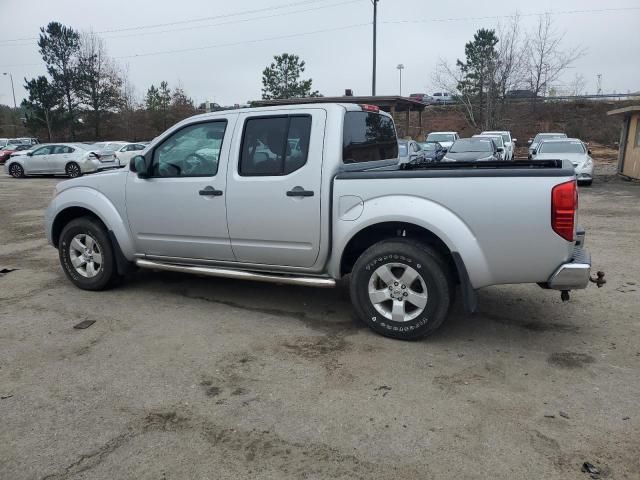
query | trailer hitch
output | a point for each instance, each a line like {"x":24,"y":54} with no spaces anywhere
{"x":599,"y":279}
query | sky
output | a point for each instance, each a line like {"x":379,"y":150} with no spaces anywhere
{"x":216,"y":50}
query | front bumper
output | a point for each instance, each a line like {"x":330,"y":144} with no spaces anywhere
{"x":575,"y":273}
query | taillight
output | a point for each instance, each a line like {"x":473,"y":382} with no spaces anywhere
{"x":370,"y":108}
{"x":564,"y":205}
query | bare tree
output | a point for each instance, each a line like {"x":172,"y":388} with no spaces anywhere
{"x":576,"y":87}
{"x":512,"y":59}
{"x":547,"y":60}
{"x":99,"y":80}
{"x":448,"y":78}
{"x":129,"y":104}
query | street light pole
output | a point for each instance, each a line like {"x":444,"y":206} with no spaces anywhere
{"x":400,"y":67}
{"x":15,"y":107}
{"x":375,"y":33}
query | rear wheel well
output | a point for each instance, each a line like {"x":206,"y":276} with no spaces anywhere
{"x":65,"y":216}
{"x":373,"y":234}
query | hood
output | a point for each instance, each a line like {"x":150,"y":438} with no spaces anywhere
{"x":467,"y":156}
{"x":575,"y":158}
{"x":100,"y":181}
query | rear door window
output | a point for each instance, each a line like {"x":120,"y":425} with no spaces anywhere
{"x":274,"y":146}
{"x":368,"y":137}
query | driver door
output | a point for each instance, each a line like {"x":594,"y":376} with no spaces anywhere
{"x":38,"y":162}
{"x":180,"y":210}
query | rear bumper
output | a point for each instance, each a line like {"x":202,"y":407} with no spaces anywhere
{"x":574,"y":274}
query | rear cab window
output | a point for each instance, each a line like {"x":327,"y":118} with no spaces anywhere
{"x":368,"y":137}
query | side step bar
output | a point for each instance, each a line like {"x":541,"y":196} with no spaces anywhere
{"x":239,"y":274}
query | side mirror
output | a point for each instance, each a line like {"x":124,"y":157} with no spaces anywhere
{"x":445,"y":150}
{"x":140,"y":165}
{"x":514,"y":140}
{"x":533,"y":152}
{"x":500,"y":149}
{"x":530,"y":141}
{"x":588,"y":152}
{"x":29,"y":154}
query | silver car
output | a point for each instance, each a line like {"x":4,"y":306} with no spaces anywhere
{"x":499,"y":141}
{"x":127,"y":151}
{"x":541,"y":137}
{"x":71,"y":159}
{"x":572,"y":149}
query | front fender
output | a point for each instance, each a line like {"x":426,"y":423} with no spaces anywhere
{"x":97,"y":203}
{"x":436,"y":218}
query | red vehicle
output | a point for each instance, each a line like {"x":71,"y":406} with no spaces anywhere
{"x":7,"y":150}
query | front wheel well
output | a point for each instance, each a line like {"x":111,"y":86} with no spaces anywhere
{"x":65,"y":216}
{"x":373,"y":234}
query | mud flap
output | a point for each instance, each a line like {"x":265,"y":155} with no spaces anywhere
{"x":469,"y":296}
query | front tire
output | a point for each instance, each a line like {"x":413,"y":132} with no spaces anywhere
{"x":16,"y":170}
{"x":401,"y":289}
{"x":73,"y":170}
{"x":86,"y":255}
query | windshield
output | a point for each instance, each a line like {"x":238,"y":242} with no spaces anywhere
{"x":472,"y":145}
{"x":428,"y":146}
{"x":440,"y":137}
{"x":562,"y":147}
{"x":547,"y":136}
{"x":403,"y":149}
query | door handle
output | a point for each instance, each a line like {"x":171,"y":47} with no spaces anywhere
{"x":210,"y":191}
{"x":299,"y":192}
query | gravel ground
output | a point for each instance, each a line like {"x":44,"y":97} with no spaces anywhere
{"x":187,"y":377}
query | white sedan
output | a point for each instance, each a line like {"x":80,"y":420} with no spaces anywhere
{"x":572,"y":149}
{"x":509,"y":143}
{"x":127,"y":151}
{"x":71,"y":159}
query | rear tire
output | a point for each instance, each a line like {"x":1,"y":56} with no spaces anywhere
{"x":86,"y":255}
{"x":73,"y":170}
{"x":16,"y":170}
{"x":401,"y":289}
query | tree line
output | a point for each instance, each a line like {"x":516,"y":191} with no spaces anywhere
{"x":87,"y":95}
{"x":499,"y":62}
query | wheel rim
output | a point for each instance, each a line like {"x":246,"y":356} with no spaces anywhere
{"x":398,"y":292}
{"x":85,"y":255}
{"x":73,"y":170}
{"x":15,"y":170}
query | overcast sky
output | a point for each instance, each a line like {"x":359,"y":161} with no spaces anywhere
{"x":234,"y":49}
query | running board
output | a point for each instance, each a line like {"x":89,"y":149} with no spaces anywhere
{"x":239,"y":274}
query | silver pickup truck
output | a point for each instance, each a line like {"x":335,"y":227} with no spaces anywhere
{"x":307,"y":194}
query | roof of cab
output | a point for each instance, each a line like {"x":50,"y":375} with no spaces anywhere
{"x":278,"y":108}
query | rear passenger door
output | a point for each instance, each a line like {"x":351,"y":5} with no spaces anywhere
{"x":57,"y":161}
{"x":275,"y":177}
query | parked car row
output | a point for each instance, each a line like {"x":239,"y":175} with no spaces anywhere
{"x":437,"y":98}
{"x":71,"y":159}
{"x":498,"y":145}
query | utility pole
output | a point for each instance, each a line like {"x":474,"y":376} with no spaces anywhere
{"x":15,"y":107}
{"x":599,"y":85}
{"x":400,"y":67}
{"x":375,"y":28}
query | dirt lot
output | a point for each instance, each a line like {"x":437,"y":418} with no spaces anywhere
{"x":186,"y":377}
